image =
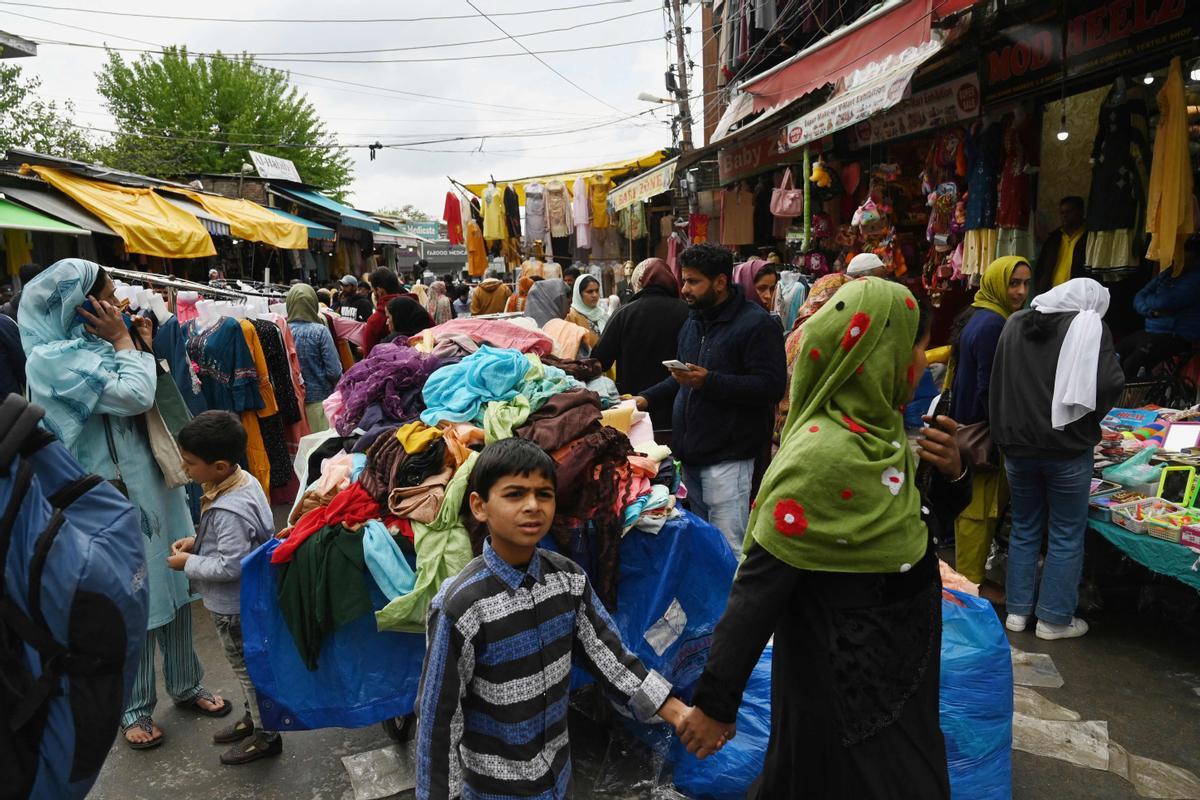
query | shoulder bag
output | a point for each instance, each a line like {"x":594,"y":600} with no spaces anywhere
{"x":787,"y":201}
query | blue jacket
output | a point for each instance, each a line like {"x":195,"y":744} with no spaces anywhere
{"x":973,"y":374}
{"x":731,"y":416}
{"x":1175,"y":301}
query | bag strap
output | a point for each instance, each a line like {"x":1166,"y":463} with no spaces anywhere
{"x":20,"y":489}
{"x":787,"y":179}
{"x":112,"y":448}
{"x":19,"y":420}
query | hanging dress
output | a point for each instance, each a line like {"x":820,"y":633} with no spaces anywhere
{"x":1120,"y":162}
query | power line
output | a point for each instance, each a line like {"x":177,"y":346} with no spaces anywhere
{"x":342,"y":20}
{"x":482,"y":57}
{"x":270,"y":55}
{"x":542,"y":61}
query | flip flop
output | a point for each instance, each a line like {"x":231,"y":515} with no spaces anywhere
{"x":205,"y":694}
{"x":147,"y":725}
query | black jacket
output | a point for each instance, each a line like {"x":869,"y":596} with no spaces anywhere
{"x":362,"y":305}
{"x":640,"y":336}
{"x":1022,"y":388}
{"x":1043,"y":272}
{"x":730,"y":418}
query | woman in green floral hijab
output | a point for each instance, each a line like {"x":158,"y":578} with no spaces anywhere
{"x":841,"y":571}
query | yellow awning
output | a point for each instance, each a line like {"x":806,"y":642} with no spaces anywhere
{"x":612,"y":171}
{"x":248,"y":220}
{"x":146,"y":222}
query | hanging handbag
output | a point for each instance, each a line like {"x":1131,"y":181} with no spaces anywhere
{"x":787,"y":201}
{"x":119,"y":481}
{"x":165,"y":449}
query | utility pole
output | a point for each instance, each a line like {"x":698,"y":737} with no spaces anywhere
{"x":685,"y":113}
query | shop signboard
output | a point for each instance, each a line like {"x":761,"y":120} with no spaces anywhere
{"x":445,"y":253}
{"x":428,"y":229}
{"x":851,"y":108}
{"x":756,"y":156}
{"x":944,"y":104}
{"x":1027,"y":57}
{"x":274,"y":167}
{"x":643,"y":187}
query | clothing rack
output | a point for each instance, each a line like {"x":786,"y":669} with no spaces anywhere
{"x":172,"y":283}
{"x":258,"y":288}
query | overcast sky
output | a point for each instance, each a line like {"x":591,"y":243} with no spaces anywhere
{"x":522,"y":94}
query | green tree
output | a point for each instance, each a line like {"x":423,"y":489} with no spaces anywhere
{"x":180,"y":114}
{"x":29,"y":122}
{"x":408,"y":213}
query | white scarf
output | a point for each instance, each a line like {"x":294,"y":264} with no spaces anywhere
{"x":1075,"y":375}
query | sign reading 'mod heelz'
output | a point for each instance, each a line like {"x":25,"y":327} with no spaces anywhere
{"x":1028,"y":56}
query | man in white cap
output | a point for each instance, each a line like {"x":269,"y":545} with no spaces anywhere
{"x":866,"y":265}
{"x":353,"y":305}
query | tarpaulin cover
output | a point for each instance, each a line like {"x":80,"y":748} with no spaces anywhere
{"x":248,"y":220}
{"x":148,"y":223}
{"x":672,"y":589}
{"x":976,"y":698}
{"x":20,"y":218}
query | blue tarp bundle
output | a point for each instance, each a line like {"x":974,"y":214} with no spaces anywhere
{"x":672,"y":590}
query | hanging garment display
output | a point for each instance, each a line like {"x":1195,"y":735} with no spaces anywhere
{"x":452,"y":216}
{"x":512,"y":213}
{"x":1120,"y":167}
{"x":495,"y":227}
{"x":1169,"y":209}
{"x":476,"y":250}
{"x":598,"y":188}
{"x":737,"y":216}
{"x":559,"y":220}
{"x":535,"y":214}
{"x":985,"y":152}
{"x":581,"y":209}
{"x":1020,"y":158}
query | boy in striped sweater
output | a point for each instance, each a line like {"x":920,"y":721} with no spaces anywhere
{"x":492,"y":705}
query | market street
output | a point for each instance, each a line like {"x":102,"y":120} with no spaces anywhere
{"x":1141,"y":678}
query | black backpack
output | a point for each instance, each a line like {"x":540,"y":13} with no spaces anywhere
{"x":73,"y":611}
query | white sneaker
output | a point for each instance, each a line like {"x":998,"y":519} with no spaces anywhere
{"x":1017,"y":622}
{"x":1072,"y":630}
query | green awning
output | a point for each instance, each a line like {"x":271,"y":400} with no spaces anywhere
{"x":19,"y":218}
{"x":315,"y":229}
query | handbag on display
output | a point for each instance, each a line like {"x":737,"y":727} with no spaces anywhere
{"x":787,"y":201}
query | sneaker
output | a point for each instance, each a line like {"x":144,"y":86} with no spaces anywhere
{"x":260,"y":745}
{"x":1017,"y":622}
{"x":236,"y":732}
{"x":1073,"y":630}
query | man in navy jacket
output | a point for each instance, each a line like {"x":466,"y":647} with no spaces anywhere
{"x":724,"y":403}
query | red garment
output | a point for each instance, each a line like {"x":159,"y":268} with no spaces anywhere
{"x":1016,"y":187}
{"x":352,"y":506}
{"x":377,"y":325}
{"x":452,"y":216}
{"x":401,"y":526}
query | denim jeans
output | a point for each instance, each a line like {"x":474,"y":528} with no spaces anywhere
{"x":1053,"y":491}
{"x":721,"y":495}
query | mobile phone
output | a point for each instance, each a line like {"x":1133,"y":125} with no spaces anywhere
{"x":679,"y":365}
{"x":88,"y":306}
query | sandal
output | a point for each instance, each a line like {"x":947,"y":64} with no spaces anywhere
{"x":146,"y":724}
{"x":204,"y":694}
{"x":235,"y":733}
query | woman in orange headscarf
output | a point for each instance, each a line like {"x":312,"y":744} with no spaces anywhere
{"x":517,"y":301}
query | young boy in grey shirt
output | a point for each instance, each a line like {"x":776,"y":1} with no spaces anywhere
{"x":235,"y":518}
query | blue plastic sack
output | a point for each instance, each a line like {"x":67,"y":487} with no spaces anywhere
{"x":728,"y":773}
{"x":364,"y":676}
{"x":976,"y":699}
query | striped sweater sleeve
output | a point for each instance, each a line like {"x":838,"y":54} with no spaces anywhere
{"x":598,"y":646}
{"x":449,"y":663}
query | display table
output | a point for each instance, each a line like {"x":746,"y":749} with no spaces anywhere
{"x":1165,"y":558}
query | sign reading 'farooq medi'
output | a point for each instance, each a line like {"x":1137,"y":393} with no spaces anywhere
{"x":1028,"y":57}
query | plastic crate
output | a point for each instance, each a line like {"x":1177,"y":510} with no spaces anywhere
{"x":1126,"y":515}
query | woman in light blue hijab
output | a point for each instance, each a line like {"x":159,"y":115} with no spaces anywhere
{"x":95,"y":384}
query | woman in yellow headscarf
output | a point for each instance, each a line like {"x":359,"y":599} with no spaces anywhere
{"x":1003,"y":291}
